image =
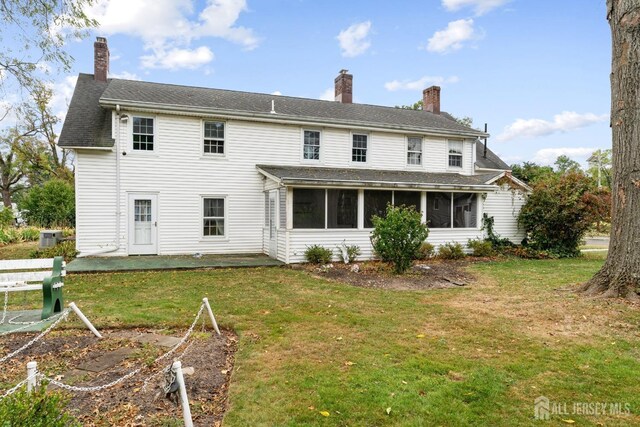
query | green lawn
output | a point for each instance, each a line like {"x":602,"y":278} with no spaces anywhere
{"x":471,"y":356}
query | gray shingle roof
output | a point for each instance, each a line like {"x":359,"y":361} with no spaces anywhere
{"x":492,"y":161}
{"x":87,"y":124}
{"x":218,"y":100}
{"x":289,"y":175}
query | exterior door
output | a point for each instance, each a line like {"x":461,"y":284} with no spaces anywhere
{"x":143,"y":224}
{"x":273,"y":235}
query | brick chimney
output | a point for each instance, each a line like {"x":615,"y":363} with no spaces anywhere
{"x":100,"y":59}
{"x":431,"y":99}
{"x":344,"y":87}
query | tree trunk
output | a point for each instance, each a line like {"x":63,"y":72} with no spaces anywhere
{"x":6,"y":198}
{"x":620,"y":275}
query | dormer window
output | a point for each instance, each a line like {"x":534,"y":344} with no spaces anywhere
{"x":143,"y":134}
{"x":455,"y":154}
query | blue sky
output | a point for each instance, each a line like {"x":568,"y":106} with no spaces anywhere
{"x":536,"y":71}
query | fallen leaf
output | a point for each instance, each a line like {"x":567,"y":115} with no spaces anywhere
{"x":420,"y":336}
{"x":224,"y":372}
{"x":404,"y":382}
{"x":324,"y":413}
{"x":349,"y":363}
{"x":388,"y":410}
{"x":311,"y":408}
{"x":568,"y":421}
{"x":339,"y":339}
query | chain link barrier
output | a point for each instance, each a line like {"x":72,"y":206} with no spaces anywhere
{"x":17,"y":386}
{"x":130,"y":374}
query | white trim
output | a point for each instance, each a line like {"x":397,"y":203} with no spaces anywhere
{"x":367,"y":152}
{"x":461,"y":155}
{"x":224,"y":139}
{"x":225,"y":218}
{"x":130,"y":148}
{"x":406,"y":153}
{"x":321,"y":142}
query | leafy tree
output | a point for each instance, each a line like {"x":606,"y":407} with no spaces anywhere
{"x":559,"y":212}
{"x":619,"y":275}
{"x":33,"y":36}
{"x":530,"y":172}
{"x":564,"y":164}
{"x":415,"y":106}
{"x":12,"y":168}
{"x":51,"y":204}
{"x":397,"y":237}
{"x":600,"y":167}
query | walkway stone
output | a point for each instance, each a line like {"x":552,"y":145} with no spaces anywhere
{"x":157,"y":339}
{"x":107,"y":360}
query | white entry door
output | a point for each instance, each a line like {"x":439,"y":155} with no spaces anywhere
{"x":143,"y":224}
{"x":273,"y":236}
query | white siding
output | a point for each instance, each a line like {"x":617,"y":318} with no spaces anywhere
{"x":180,"y":174}
{"x":504,"y":206}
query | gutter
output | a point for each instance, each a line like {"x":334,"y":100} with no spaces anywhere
{"x":279,"y":118}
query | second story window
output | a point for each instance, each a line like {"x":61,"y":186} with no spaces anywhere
{"x":143,"y":134}
{"x":311,"y":145}
{"x":213,"y":138}
{"x":359,"y":148}
{"x":455,"y":154}
{"x":414,"y":150}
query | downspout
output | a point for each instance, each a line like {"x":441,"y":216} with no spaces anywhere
{"x":118,"y":210}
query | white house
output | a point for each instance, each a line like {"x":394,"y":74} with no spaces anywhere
{"x":166,"y":169}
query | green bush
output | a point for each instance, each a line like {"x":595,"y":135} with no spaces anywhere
{"x":317,"y":254}
{"x":453,"y":250}
{"x":397,"y":237}
{"x":66,"y":249}
{"x":353,"y":251}
{"x":425,"y":251}
{"x":6,"y":217}
{"x":30,"y":234}
{"x":559,"y":212}
{"x":481,"y":248}
{"x":38,"y":408}
{"x":50,"y":205}
{"x":10,"y":235}
{"x":496,"y":241}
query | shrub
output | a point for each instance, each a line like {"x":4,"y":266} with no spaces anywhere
{"x":30,"y":234}
{"x":317,"y":254}
{"x":397,"y":237}
{"x":425,"y":251}
{"x":496,"y":241}
{"x":36,"y":408}
{"x":50,"y":205}
{"x":6,"y":217}
{"x":453,"y":250}
{"x":66,"y":249}
{"x":481,"y":248}
{"x":559,"y":211}
{"x":10,"y":235}
{"x":353,"y":251}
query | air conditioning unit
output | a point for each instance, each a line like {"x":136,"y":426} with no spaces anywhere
{"x":49,"y":238}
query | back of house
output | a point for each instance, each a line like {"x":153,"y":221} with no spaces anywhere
{"x":166,"y":169}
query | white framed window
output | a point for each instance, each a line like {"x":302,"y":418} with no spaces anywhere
{"x":311,"y":145}
{"x":213,"y":138}
{"x":414,"y":151}
{"x":142,"y":134}
{"x":213,"y":216}
{"x":455,"y":154}
{"x":359,"y":147}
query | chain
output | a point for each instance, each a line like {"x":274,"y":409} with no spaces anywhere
{"x":17,"y":386}
{"x":130,"y":374}
{"x":62,"y":315}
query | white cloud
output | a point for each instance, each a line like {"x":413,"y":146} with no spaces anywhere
{"x":353,"y":41}
{"x":276,"y":92}
{"x":328,"y":95}
{"x":480,"y":7}
{"x":547,"y":156}
{"x":563,"y":122}
{"x":452,"y":37}
{"x":168,"y":26}
{"x":125,"y":75}
{"x":175,"y":58}
{"x":419,"y":84}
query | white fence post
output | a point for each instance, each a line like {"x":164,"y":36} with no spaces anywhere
{"x":213,"y":319}
{"x":184,"y":400}
{"x":84,"y":319}
{"x":32,"y":369}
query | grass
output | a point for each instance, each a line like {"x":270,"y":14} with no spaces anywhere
{"x":478,"y":355}
{"x":18,"y":250}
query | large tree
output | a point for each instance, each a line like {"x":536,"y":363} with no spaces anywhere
{"x":12,"y":168}
{"x":620,"y":275}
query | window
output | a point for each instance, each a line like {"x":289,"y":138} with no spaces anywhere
{"x":213,"y":217}
{"x":452,"y":210}
{"x":342,"y":208}
{"x":359,"y":148}
{"x":142,"y":134}
{"x":214,"y":138}
{"x":311,"y":145}
{"x":308,"y":208}
{"x":414,"y":150}
{"x":407,"y":198}
{"x":375,"y":203}
{"x":455,"y":154}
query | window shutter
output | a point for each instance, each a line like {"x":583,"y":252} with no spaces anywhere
{"x":283,"y":208}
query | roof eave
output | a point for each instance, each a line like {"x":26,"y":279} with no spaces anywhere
{"x":384,"y":184}
{"x":280,"y":118}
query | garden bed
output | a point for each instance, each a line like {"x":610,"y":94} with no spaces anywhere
{"x":76,"y":357}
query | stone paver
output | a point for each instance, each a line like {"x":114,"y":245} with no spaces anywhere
{"x":157,"y":339}
{"x":107,"y":360}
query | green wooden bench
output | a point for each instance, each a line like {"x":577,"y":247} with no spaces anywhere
{"x":45,"y":274}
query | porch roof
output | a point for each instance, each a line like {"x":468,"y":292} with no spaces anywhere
{"x":350,"y":177}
